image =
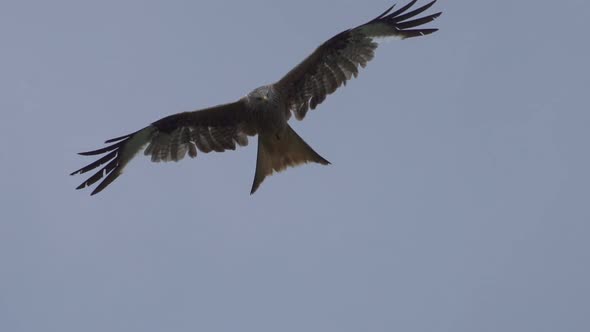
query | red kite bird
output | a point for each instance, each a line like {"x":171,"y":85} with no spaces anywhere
{"x":265,"y":111}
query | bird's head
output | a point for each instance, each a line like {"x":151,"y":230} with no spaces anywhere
{"x":260,"y":95}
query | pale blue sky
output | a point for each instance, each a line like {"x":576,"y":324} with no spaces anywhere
{"x":457,"y":198}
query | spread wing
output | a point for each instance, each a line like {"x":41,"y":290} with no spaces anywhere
{"x":217,"y":129}
{"x":338,"y":59}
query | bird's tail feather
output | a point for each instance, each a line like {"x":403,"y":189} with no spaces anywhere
{"x":276,"y":154}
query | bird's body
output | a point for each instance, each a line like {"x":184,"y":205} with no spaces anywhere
{"x":265,"y":111}
{"x":270,"y":110}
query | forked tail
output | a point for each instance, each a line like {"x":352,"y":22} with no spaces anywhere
{"x":276,"y":154}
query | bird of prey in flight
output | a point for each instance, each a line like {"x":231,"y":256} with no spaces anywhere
{"x":266,"y":110}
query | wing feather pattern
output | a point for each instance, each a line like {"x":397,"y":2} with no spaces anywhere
{"x":227,"y":126}
{"x":338,"y":59}
{"x":219,"y":128}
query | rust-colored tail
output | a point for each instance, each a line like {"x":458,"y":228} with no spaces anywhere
{"x":276,"y":154}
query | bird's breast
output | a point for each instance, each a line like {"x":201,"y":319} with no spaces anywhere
{"x":272,"y":119}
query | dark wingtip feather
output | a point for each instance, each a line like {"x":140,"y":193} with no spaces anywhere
{"x":111,"y":159}
{"x":418,"y":21}
{"x":403,"y":9}
{"x":97,"y":163}
{"x":416,"y":33}
{"x":411,"y":14}
{"x":401,"y":20}
{"x":435,"y":15}
{"x":110,"y":169}
{"x":116,"y":139}
{"x":109,"y":179}
{"x":383,"y":14}
{"x":119,"y":141}
{"x":102,"y":150}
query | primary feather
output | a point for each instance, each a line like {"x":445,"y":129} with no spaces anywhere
{"x":265,"y":111}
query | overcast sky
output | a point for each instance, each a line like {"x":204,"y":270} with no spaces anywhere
{"x":457,"y":198}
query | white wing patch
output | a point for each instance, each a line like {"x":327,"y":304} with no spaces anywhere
{"x":135,"y":144}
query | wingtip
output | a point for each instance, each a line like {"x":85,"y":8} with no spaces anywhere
{"x":87,"y":153}
{"x":116,"y":139}
{"x":430,"y":4}
{"x":384,"y":13}
{"x":98,"y":189}
{"x":430,"y":31}
{"x":112,"y":176}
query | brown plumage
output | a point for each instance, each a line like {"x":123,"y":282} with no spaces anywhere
{"x":265,"y":111}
